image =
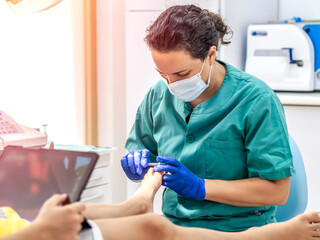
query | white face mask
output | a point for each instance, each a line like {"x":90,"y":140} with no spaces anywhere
{"x":189,"y":89}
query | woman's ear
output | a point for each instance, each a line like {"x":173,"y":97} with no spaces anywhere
{"x":212,"y":54}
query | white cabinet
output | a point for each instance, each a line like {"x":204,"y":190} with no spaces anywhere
{"x":98,"y":194}
{"x":98,"y":188}
{"x":303,"y":119}
{"x":304,"y":126}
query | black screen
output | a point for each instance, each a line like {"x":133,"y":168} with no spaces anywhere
{"x":28,"y":177}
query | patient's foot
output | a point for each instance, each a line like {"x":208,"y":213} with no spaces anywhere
{"x":301,"y":227}
{"x":149,"y":187}
{"x":151,"y":181}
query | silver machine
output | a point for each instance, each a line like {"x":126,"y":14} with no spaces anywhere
{"x":285,"y":56}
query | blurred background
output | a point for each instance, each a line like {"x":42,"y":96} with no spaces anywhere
{"x":82,"y":68}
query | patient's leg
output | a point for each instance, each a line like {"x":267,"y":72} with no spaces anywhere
{"x":304,"y":227}
{"x":141,"y":202}
{"x":152,"y":226}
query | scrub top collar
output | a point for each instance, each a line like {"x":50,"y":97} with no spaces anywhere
{"x":224,"y":94}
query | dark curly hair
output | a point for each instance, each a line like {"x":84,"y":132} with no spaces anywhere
{"x":187,"y":27}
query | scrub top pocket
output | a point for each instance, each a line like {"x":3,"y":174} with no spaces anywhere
{"x":225,"y":160}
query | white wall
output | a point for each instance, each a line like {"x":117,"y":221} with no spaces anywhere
{"x":111,"y":88}
{"x":306,"y":9}
{"x":41,"y":69}
{"x":238,"y":15}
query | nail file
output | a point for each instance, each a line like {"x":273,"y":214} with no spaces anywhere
{"x":153,"y":164}
{"x":156,"y":164}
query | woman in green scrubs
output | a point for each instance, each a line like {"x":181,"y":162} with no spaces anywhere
{"x":219,"y":133}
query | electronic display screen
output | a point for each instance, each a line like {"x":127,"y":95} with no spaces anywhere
{"x":28,"y":177}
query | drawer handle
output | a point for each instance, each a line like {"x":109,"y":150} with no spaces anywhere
{"x":95,"y":196}
{"x":95,"y":178}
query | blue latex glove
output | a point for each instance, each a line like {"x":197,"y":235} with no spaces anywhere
{"x":180,"y":179}
{"x":135,"y":163}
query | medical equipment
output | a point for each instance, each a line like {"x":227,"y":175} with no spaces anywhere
{"x":285,"y":56}
{"x":12,"y":133}
{"x":31,"y":6}
{"x":313,"y":30}
{"x":153,"y":164}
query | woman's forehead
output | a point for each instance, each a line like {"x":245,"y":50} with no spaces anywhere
{"x":173,"y":61}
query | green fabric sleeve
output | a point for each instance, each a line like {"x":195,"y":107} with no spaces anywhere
{"x":267,"y":142}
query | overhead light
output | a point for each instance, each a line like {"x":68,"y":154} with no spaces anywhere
{"x":31,"y":6}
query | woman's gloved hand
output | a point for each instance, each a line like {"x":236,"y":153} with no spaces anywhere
{"x":180,"y":179}
{"x":135,"y":164}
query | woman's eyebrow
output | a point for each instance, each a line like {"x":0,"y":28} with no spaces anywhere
{"x":173,"y":73}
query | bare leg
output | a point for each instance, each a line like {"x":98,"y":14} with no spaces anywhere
{"x":302,"y":227}
{"x":152,"y":226}
{"x":141,"y":202}
{"x":141,"y":227}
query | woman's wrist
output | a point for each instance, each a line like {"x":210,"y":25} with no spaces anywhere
{"x":37,"y":231}
{"x":201,"y":190}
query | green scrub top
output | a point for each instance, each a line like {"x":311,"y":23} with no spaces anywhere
{"x":239,"y":133}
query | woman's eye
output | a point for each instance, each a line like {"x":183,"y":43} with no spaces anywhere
{"x":183,"y":75}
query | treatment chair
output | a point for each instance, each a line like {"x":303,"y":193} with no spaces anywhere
{"x":298,"y":196}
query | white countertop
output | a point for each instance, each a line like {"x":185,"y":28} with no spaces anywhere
{"x":299,"y":98}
